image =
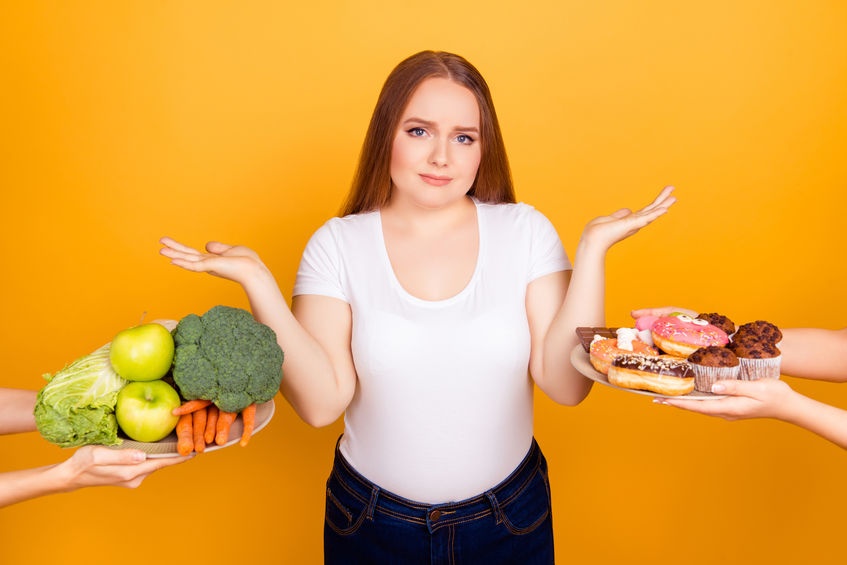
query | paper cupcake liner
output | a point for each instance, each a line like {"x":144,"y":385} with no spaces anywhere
{"x":705,"y":377}
{"x":754,"y":369}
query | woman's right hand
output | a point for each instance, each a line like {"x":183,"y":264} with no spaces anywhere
{"x":232,"y":262}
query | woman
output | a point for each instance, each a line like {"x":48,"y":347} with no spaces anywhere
{"x":418,"y":315}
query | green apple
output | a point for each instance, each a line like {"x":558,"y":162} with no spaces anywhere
{"x":144,"y":410}
{"x":142,"y":353}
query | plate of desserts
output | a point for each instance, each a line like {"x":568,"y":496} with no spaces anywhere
{"x":678,"y":355}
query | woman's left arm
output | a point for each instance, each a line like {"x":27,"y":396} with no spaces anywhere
{"x":557,"y":304}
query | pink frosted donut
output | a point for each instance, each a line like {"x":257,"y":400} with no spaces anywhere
{"x":681,"y":335}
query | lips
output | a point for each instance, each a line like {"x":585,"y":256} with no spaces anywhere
{"x":435,"y":180}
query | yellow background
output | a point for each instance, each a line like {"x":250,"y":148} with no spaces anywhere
{"x":242,"y":121}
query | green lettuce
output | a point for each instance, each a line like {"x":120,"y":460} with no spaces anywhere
{"x":77,"y":405}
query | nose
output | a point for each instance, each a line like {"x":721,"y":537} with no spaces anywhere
{"x":438,"y":156}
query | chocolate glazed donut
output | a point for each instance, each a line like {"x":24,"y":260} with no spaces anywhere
{"x":663,"y":374}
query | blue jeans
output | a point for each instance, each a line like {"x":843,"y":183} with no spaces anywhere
{"x":510,"y":523}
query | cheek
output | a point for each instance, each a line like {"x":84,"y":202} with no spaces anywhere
{"x":400,"y":155}
{"x":473,"y":163}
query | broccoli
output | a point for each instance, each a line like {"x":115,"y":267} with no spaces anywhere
{"x":226,"y":356}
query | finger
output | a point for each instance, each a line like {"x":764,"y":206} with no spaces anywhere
{"x":733,"y":387}
{"x":217,"y":247}
{"x":183,"y":259}
{"x":105,"y":456}
{"x":663,"y":201}
{"x":714,"y":407}
{"x":622,"y":213}
{"x":661,"y":311}
{"x":177,"y":246}
{"x":641,"y":312}
{"x":664,"y":194}
{"x":160,"y":463}
{"x":656,"y":209}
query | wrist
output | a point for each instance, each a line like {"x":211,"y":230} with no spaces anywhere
{"x":790,"y":407}
{"x":590,"y":250}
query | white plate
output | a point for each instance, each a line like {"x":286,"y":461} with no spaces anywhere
{"x":167,"y":447}
{"x":582,"y":363}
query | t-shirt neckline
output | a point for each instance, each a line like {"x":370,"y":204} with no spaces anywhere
{"x":401,"y":290}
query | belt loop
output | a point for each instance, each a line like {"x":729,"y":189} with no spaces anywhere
{"x":372,"y":503}
{"x":495,"y":506}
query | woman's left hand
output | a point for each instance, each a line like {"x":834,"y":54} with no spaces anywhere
{"x":605,"y":231}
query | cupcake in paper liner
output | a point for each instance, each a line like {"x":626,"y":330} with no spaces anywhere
{"x":760,"y":330}
{"x":719,"y":321}
{"x":758,"y":359}
{"x":712,"y":364}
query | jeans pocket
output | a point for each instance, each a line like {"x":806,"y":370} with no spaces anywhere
{"x":530,"y":507}
{"x":345,"y":510}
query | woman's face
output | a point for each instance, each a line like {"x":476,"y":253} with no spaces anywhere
{"x":436,"y":149}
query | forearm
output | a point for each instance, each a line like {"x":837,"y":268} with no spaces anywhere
{"x":311,"y":383}
{"x":822,"y":419}
{"x":814,"y":353}
{"x":17,"y":486}
{"x":584,"y":305}
{"x":16,"y":410}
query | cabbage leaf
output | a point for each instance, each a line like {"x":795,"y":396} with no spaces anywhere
{"x":77,"y":405}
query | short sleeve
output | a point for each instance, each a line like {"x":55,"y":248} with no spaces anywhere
{"x":548,"y":253}
{"x":320,"y":266}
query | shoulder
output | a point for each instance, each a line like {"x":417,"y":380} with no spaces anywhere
{"x":351,"y":222}
{"x":346,"y":228}
{"x":518,"y":215}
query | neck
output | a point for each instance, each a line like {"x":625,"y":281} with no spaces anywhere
{"x":413,"y":218}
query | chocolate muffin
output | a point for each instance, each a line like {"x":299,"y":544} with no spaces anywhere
{"x":758,"y":358}
{"x":712,"y":364}
{"x":719,"y":320}
{"x":766,"y":331}
{"x":714,"y":356}
{"x":752,"y":348}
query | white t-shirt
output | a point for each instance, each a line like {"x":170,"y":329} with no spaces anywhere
{"x":443,"y":404}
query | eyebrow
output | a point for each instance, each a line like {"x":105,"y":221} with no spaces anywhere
{"x":428,"y":123}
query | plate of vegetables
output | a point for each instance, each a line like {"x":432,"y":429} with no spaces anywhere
{"x":217,"y":386}
{"x":200,"y":432}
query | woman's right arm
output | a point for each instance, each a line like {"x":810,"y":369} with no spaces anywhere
{"x":319,"y":377}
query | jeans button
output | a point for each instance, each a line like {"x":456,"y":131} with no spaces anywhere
{"x":434,"y":515}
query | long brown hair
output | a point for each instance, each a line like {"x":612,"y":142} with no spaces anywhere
{"x":371,"y":187}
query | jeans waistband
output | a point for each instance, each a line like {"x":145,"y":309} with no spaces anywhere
{"x":442,"y":514}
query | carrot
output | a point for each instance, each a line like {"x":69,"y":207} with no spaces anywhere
{"x":248,"y":417}
{"x":211,"y":423}
{"x":225,"y":420}
{"x":191,"y":406}
{"x":198,"y":422}
{"x":184,"y":435}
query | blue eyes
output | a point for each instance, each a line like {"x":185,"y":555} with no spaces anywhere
{"x":462,"y":138}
